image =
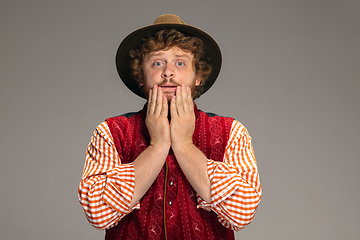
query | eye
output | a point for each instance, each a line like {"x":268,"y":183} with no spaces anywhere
{"x":180,"y":64}
{"x":156,"y":64}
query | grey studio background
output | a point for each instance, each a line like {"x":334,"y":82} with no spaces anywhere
{"x":291,"y":75}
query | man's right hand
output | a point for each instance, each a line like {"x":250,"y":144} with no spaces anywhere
{"x":157,"y":121}
{"x":149,"y":163}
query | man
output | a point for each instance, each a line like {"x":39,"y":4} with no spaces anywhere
{"x":169,"y":171}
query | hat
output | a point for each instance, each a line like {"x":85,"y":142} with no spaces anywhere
{"x":167,"y":21}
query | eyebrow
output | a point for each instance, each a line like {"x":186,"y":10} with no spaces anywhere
{"x":153,"y":54}
{"x":183,"y":55}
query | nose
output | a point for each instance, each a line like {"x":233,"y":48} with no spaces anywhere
{"x":168,"y":72}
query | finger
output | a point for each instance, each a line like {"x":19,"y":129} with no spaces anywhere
{"x":179,"y":100}
{"x":183,"y":103}
{"x":152,"y":100}
{"x":190,"y":99}
{"x":148,"y":107}
{"x":164,"y":110}
{"x":159,"y":102}
{"x":185,"y":98}
{"x":173,"y":107}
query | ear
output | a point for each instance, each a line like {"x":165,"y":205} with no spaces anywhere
{"x":141,"y":81}
{"x":197,"y":81}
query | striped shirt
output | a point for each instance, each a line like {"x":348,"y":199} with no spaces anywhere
{"x":107,"y":185}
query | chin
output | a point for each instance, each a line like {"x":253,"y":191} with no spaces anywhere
{"x":169,"y":97}
{"x":169,"y":94}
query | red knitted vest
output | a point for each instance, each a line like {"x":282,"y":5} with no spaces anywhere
{"x":168,"y":209}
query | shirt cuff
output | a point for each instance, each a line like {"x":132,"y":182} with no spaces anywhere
{"x":223,"y":180}
{"x":119,"y":189}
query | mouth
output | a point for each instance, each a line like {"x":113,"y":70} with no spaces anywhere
{"x":169,"y":87}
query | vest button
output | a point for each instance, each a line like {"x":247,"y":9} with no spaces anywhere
{"x":171,"y":183}
{"x":170,"y":203}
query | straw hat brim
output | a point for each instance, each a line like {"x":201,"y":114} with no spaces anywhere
{"x":133,"y":40}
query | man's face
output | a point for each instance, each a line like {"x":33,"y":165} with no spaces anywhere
{"x":168,"y":69}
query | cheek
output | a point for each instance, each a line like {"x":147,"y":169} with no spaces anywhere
{"x":192,"y":79}
{"x":151,"y":75}
{"x":149,"y":81}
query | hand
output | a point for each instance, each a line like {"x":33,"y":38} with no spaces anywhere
{"x":191,"y":160}
{"x":156,"y":118}
{"x":182,"y":123}
{"x":149,"y":163}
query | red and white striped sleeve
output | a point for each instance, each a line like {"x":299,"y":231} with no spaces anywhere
{"x":235,"y":184}
{"x":106,"y":186}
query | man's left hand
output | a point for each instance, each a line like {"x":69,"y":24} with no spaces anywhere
{"x":192,"y":161}
{"x":182,"y":123}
